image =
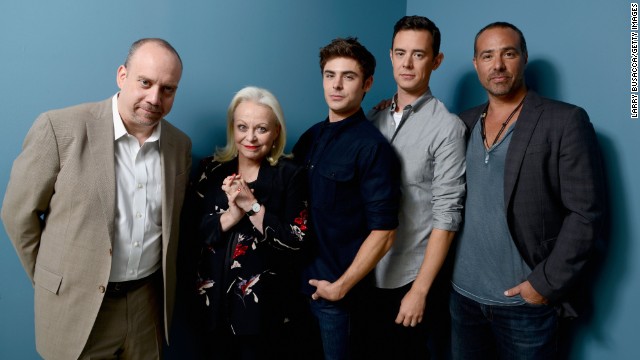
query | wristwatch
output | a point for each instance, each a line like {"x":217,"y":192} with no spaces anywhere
{"x":254,"y":209}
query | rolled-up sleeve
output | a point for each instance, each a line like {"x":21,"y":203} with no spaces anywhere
{"x":380,"y":187}
{"x":448,"y":185}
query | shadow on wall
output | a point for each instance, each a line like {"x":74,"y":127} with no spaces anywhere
{"x":602,"y":282}
{"x":542,"y":77}
{"x":606,"y":276}
{"x":468,"y":93}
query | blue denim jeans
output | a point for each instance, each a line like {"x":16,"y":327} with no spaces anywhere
{"x":334,"y":322}
{"x":481,"y":331}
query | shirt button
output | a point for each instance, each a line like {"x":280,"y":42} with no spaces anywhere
{"x":101,"y":289}
{"x":136,"y":244}
{"x":110,"y":252}
{"x":138,"y":215}
{"x":139,"y":186}
{"x":131,"y":272}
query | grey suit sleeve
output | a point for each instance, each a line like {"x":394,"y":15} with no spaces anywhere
{"x":581,"y":196}
{"x":30,"y":188}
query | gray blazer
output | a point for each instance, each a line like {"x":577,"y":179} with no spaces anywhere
{"x":553,"y":193}
{"x":59,"y":211}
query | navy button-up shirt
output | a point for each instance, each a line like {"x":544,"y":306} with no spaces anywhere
{"x":354,"y":188}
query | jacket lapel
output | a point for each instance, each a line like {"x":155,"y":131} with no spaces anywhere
{"x":167,"y":161}
{"x":101,"y":145}
{"x":524,"y":128}
{"x":265,"y":181}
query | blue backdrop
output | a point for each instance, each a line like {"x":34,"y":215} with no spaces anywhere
{"x":59,"y":53}
{"x":579,"y":52}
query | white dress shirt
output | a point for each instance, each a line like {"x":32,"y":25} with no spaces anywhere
{"x":137,"y":245}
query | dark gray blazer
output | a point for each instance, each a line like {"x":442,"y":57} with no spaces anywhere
{"x":553,"y":192}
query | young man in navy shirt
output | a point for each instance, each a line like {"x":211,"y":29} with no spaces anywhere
{"x":353,"y":179}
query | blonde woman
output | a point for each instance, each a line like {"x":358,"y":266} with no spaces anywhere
{"x":250,"y":206}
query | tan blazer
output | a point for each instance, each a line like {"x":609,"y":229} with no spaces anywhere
{"x":59,"y":211}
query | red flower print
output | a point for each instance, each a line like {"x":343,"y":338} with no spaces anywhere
{"x":240,"y":250}
{"x":301,"y":221}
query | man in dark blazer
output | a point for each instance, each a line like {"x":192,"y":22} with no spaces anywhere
{"x":93,"y":207}
{"x":533,"y":211}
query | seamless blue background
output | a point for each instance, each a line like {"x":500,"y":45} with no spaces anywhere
{"x":55,"y":54}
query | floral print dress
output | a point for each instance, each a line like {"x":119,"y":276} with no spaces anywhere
{"x":246,"y":280}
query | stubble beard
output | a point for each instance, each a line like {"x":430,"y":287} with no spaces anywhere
{"x":499,"y":90}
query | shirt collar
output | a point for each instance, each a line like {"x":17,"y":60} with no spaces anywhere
{"x":415,"y":106}
{"x":354,"y":118}
{"x":118,"y":126}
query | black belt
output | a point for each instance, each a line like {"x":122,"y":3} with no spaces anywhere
{"x":122,"y":287}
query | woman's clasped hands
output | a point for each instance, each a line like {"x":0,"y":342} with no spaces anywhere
{"x":239,"y":195}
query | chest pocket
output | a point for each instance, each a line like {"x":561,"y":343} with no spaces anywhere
{"x":414,"y":170}
{"x":340,"y":188}
{"x":542,"y":148}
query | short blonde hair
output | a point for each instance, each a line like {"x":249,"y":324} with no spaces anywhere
{"x":259,"y":96}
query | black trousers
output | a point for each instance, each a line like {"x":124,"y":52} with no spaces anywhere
{"x":377,"y":336}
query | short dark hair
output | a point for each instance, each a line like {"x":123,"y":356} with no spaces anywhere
{"x":349,"y":48}
{"x":136,"y":45}
{"x":416,"y":22}
{"x":501,"y":24}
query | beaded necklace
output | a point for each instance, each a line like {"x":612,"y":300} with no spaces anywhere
{"x":504,"y":124}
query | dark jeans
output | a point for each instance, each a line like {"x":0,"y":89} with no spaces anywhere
{"x":481,"y":331}
{"x":334,"y":322}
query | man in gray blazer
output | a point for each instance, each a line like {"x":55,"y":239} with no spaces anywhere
{"x":533,"y":210}
{"x":92,"y":208}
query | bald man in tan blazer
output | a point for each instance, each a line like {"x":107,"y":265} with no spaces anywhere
{"x":63,"y":212}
